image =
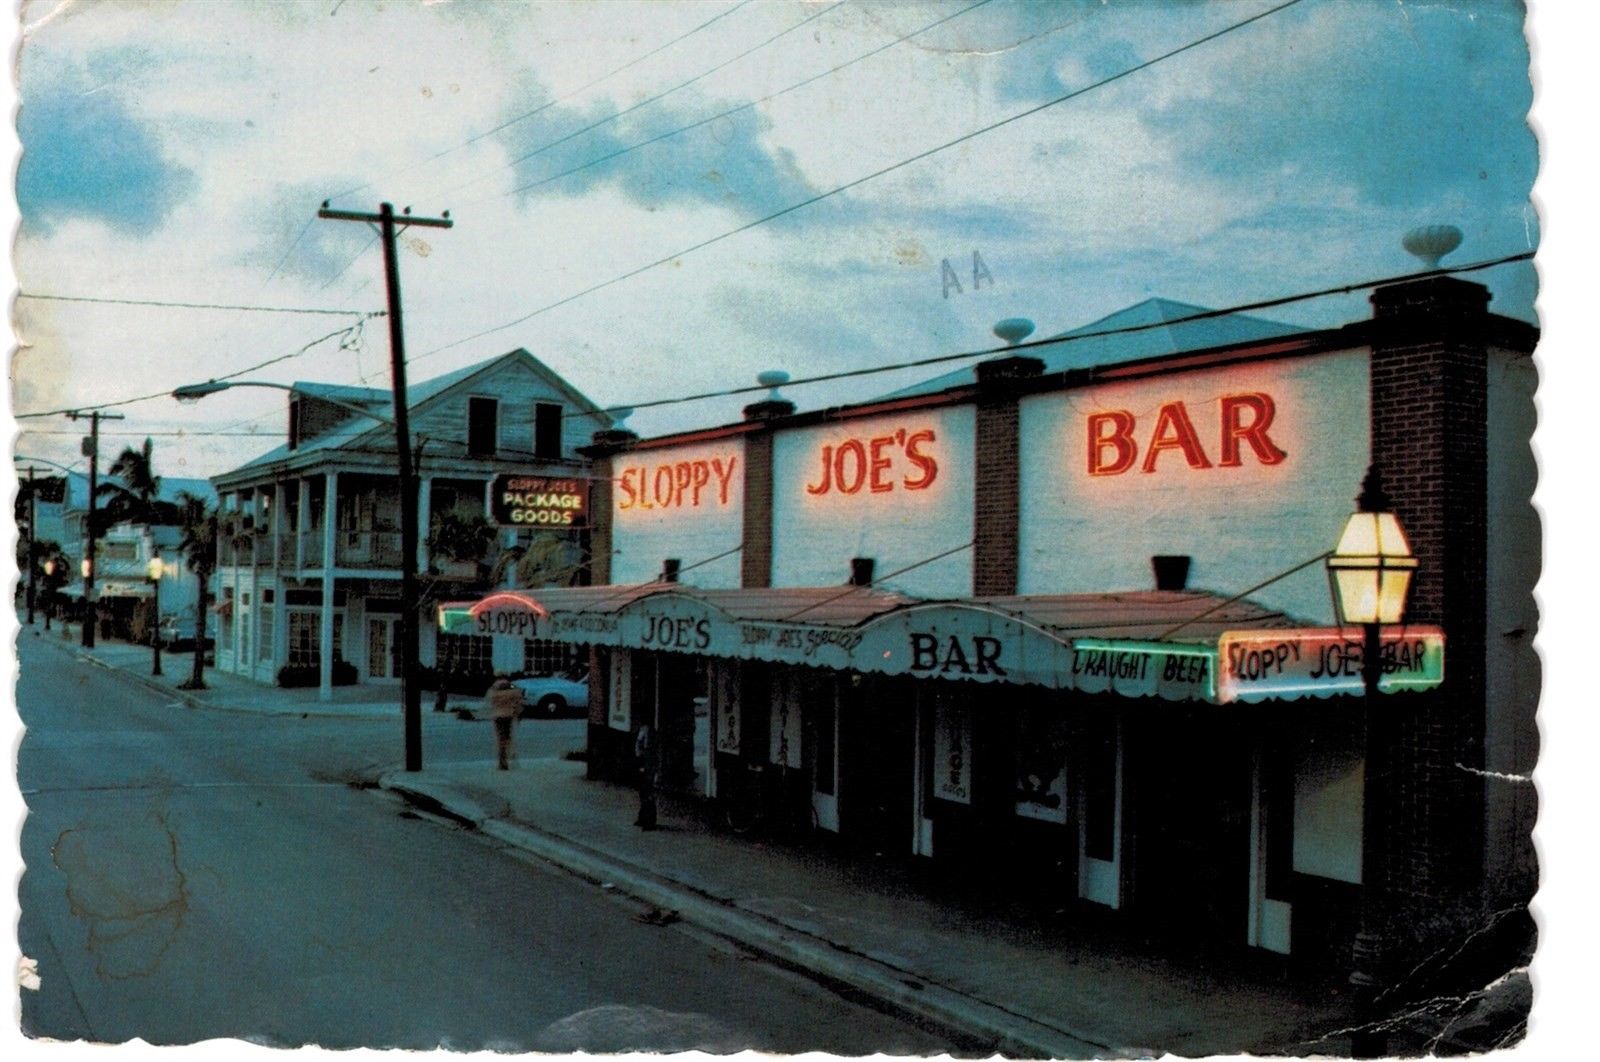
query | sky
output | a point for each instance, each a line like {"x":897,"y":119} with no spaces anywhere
{"x":178,"y":152}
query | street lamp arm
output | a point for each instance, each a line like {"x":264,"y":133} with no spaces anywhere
{"x":196,"y":391}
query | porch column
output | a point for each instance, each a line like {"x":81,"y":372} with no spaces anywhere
{"x":329,"y":518}
{"x":302,"y":518}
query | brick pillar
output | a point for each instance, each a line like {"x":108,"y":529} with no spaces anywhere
{"x":1430,"y":442}
{"x":755,"y":558}
{"x":995,"y":480}
{"x":600,"y":488}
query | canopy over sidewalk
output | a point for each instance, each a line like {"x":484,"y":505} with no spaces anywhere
{"x":1176,"y":645}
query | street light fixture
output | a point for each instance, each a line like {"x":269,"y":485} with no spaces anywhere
{"x":410,"y":689}
{"x":155,"y":570}
{"x":1369,"y":574}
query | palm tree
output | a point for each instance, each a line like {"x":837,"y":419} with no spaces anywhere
{"x":199,"y":545}
{"x":137,"y":499}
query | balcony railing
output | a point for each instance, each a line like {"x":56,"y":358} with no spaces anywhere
{"x":367,"y":549}
{"x":312,"y":541}
{"x":286,"y":549}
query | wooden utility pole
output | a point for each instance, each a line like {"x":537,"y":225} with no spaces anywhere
{"x":410,"y":690}
{"x":91,"y":450}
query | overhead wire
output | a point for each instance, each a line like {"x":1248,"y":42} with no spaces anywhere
{"x":185,"y":305}
{"x":1077,"y":337}
{"x":641,"y":104}
{"x":857,"y":182}
{"x":549,"y":103}
{"x":734,"y":110}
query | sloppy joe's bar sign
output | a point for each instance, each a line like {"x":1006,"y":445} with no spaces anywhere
{"x":677,"y":485}
{"x":540,"y":501}
{"x":1261,"y":665}
{"x":1119,"y":441}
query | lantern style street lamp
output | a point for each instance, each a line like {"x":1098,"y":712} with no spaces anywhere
{"x":1369,"y":574}
{"x":49,"y":570}
{"x":155,"y":570}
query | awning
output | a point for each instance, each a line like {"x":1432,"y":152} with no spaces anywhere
{"x":1175,"y":645}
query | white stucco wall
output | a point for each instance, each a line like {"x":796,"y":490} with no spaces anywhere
{"x":685,"y":502}
{"x":1241,"y":524}
{"x":817,"y":528}
{"x":1512,"y":674}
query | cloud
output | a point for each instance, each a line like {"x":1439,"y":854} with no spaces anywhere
{"x":86,"y":154}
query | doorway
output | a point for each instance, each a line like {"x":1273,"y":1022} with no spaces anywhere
{"x":383,"y":649}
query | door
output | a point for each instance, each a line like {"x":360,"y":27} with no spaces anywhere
{"x":383,"y":649}
{"x":822,"y":726}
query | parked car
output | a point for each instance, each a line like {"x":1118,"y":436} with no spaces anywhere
{"x":553,"y":695}
{"x":177,"y":634}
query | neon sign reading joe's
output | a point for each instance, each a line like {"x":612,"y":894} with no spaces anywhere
{"x":880,"y":463}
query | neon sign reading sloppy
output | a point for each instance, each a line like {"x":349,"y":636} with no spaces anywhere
{"x":870,"y":463}
{"x":676,"y":485}
{"x":1113,"y":449}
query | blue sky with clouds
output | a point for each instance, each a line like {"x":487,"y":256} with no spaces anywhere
{"x":179,"y":152}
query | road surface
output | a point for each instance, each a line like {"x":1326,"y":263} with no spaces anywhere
{"x":195,"y":874}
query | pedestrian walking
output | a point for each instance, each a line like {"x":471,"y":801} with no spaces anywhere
{"x":504,"y":704}
{"x":644,"y":751}
{"x":441,"y":696}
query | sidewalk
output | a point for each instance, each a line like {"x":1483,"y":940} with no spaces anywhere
{"x":224,"y":692}
{"x":1017,"y":983}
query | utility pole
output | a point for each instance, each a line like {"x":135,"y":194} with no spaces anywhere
{"x":410,"y":690}
{"x":91,"y":450}
{"x":33,"y":520}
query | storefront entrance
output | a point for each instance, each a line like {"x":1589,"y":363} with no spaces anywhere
{"x":383,"y":649}
{"x":1189,"y":788}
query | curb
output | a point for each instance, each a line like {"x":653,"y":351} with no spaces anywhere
{"x":1008,"y":1032}
{"x":192,"y":700}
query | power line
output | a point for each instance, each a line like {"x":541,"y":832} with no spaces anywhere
{"x":228,"y":376}
{"x":735,"y":110}
{"x":185,"y":305}
{"x":1010,"y":348}
{"x":862,"y":180}
{"x":550,"y":103}
{"x":642,"y":103}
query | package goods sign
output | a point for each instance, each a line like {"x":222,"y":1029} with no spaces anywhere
{"x":540,"y":501}
{"x":1119,"y":442}
{"x":1171,"y":671}
{"x":1321,"y":662}
{"x":668,"y":486}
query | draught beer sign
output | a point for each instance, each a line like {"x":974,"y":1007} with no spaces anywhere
{"x":540,"y":501}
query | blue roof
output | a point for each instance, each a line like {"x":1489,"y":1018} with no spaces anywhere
{"x":1161,"y":331}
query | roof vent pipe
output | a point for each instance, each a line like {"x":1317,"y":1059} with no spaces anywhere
{"x":774,"y":405}
{"x":861,"y":571}
{"x":670,"y":568}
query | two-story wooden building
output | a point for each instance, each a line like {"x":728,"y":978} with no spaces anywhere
{"x":309,"y":564}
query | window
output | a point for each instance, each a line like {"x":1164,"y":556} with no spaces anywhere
{"x":264,"y":642}
{"x":226,"y":627}
{"x":547,"y":430}
{"x":483,"y":426}
{"x":305,"y":638}
{"x":540,"y":657}
{"x":465,"y":653}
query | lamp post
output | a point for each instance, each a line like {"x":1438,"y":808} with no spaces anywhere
{"x":1369,"y":573}
{"x":410,"y":688}
{"x":49,"y":570}
{"x":155,"y":570}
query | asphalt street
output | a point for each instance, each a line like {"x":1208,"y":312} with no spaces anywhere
{"x":194,"y":874}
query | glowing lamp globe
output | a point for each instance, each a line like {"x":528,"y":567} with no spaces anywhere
{"x":85,"y":567}
{"x":1370,"y":570}
{"x":155,"y":568}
